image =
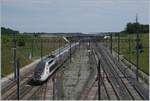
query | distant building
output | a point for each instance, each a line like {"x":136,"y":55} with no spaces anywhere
{"x":106,"y":37}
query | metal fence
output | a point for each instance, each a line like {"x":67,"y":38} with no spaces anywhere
{"x":126,"y":45}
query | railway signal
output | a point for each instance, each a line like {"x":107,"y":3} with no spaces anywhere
{"x":89,"y":50}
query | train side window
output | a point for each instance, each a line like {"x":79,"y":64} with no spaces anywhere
{"x":49,"y":69}
{"x":52,"y":67}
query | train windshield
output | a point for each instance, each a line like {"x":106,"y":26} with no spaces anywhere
{"x":40,"y":66}
{"x":50,"y":62}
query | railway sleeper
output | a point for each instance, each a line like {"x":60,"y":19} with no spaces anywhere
{"x":129,"y":81}
{"x":117,"y":82}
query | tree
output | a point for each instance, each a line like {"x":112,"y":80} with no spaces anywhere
{"x":8,"y":31}
{"x":134,"y":27}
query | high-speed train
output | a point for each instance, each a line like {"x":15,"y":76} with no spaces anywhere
{"x":47,"y":66}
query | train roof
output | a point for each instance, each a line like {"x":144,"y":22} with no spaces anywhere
{"x":51,"y":56}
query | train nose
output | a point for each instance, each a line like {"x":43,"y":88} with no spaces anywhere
{"x":37,"y":75}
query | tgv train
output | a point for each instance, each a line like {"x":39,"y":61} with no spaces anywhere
{"x":47,"y":66}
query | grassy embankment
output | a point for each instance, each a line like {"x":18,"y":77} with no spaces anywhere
{"x":131,"y":56}
{"x":29,"y":45}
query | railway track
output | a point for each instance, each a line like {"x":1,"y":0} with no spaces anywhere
{"x":9,"y":93}
{"x":119,"y":82}
{"x":131,"y":79}
{"x":106,"y":90}
{"x":91,"y":91}
{"x":40,"y":92}
{"x":27,"y":91}
{"x":13,"y":82}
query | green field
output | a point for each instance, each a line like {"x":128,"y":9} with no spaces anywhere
{"x":131,"y":55}
{"x":29,"y":45}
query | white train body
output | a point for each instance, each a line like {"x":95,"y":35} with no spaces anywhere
{"x":47,"y":66}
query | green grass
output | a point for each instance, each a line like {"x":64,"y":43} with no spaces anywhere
{"x":32,"y":45}
{"x":131,"y":56}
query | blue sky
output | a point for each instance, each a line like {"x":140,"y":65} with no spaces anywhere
{"x":72,"y":15}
